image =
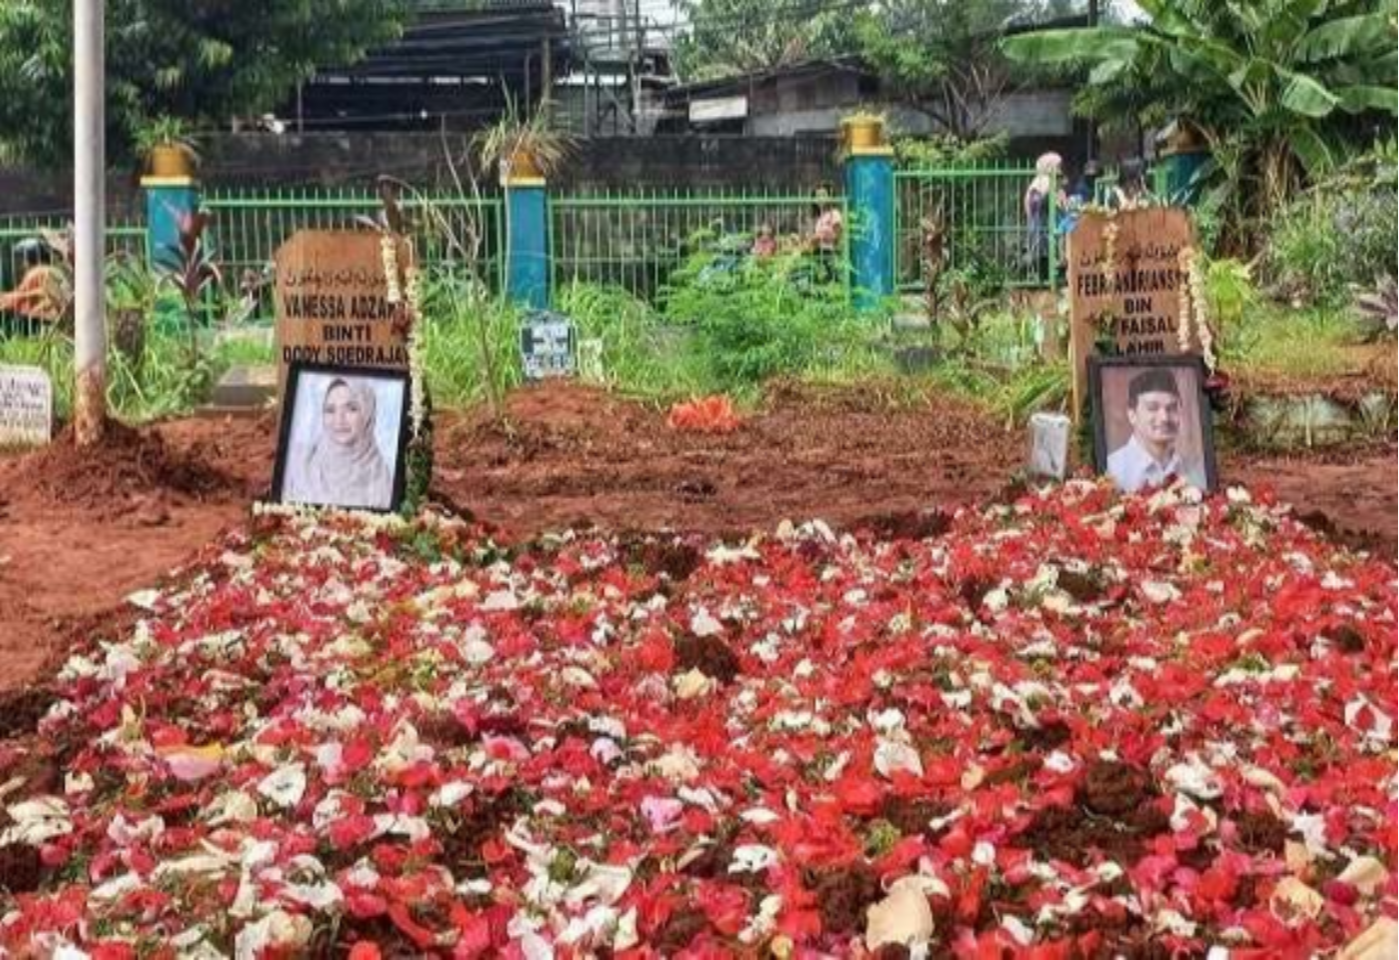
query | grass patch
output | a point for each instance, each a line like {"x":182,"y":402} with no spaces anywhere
{"x":1279,"y":341}
{"x":167,"y":382}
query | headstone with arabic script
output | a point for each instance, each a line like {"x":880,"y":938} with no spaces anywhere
{"x":1125,"y":282}
{"x":26,"y":406}
{"x":548,"y":346}
{"x":332,"y":301}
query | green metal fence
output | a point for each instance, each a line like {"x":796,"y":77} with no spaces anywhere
{"x":636,"y":239}
{"x":248,"y":226}
{"x":980,"y":213}
{"x":22,"y":247}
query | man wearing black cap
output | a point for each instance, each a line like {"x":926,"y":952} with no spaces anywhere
{"x":1150,"y":456}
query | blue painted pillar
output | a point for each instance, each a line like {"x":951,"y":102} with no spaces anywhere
{"x":168,"y":200}
{"x":527,"y":243}
{"x":869,"y":189}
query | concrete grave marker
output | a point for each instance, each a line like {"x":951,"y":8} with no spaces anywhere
{"x":1125,"y":282}
{"x":26,"y":406}
{"x":1049,"y":445}
{"x":332,"y":301}
{"x":548,"y":346}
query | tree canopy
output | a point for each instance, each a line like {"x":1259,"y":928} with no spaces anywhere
{"x":204,"y":61}
{"x":938,"y":57}
{"x":1279,"y":89}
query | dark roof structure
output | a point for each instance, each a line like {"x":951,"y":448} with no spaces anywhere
{"x":455,"y":65}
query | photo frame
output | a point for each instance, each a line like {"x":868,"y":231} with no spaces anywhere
{"x":1151,"y":419}
{"x":343,"y":438}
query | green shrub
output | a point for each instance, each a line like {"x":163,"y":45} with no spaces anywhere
{"x":640,"y":353}
{"x":757,"y":319}
{"x":460,"y":319}
{"x":165,"y":381}
{"x":945,"y":150}
{"x":1333,"y":238}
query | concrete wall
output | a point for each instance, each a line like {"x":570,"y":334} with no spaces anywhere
{"x":268,"y":160}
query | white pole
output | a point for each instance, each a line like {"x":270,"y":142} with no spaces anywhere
{"x":89,"y":199}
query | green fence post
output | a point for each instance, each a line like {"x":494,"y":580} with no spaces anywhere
{"x":869,"y":188}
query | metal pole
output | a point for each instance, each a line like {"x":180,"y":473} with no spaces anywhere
{"x":1091,"y":151}
{"x":89,"y":200}
{"x":546,"y":82}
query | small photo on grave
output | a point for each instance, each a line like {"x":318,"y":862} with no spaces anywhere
{"x":1151,"y":421}
{"x":343,"y":438}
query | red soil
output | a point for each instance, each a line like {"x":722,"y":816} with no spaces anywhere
{"x":80,"y":532}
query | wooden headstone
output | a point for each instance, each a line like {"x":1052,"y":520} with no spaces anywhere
{"x":26,"y":406}
{"x":1125,"y":294}
{"x":332,"y":301}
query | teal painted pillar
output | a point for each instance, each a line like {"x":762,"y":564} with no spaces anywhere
{"x":527,"y":245}
{"x":1177,"y":172}
{"x":168,"y":201}
{"x":869,"y":189}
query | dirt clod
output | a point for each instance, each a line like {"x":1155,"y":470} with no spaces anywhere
{"x":1083,"y":587}
{"x":128,"y":466}
{"x":709,"y":655}
{"x":21,"y":870}
{"x":1113,"y":789}
{"x":907,"y":524}
{"x":1260,"y":832}
{"x":680,"y":930}
{"x":1115,"y":813}
{"x":843,"y":895}
{"x":22,"y":709}
{"x":1349,"y":639}
{"x":911,"y":816}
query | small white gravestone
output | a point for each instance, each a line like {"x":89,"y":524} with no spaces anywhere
{"x":1049,"y":445}
{"x":548,"y":346}
{"x":26,"y":406}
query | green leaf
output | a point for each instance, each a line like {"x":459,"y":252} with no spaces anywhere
{"x":1357,"y":99}
{"x":1107,"y":71}
{"x":1346,"y":37}
{"x":1304,"y":95}
{"x":1071,"y":46}
{"x":1311,"y":148}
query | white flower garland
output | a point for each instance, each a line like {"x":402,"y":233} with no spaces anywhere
{"x":417,"y":351}
{"x":408,"y":292}
{"x":1110,"y":245}
{"x":388,"y":250}
{"x":1194,"y":313}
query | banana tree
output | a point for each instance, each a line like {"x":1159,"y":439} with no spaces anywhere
{"x":1277,"y":88}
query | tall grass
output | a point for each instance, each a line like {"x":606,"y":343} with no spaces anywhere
{"x":166,"y":382}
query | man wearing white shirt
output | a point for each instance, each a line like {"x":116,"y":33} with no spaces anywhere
{"x":1149,"y":458}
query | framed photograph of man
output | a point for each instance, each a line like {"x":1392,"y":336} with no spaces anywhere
{"x":1151,"y":421}
{"x":344,"y":437}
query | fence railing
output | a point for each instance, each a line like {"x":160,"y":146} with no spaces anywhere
{"x":980,"y":213}
{"x":636,"y":239}
{"x":247,"y":227}
{"x":23,"y":249}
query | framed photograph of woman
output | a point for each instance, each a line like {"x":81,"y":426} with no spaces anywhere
{"x":344,"y":436}
{"x":1151,"y":421}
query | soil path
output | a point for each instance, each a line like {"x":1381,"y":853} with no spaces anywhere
{"x":77,"y":534}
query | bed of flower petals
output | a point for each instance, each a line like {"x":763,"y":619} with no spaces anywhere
{"x":1076,"y":725}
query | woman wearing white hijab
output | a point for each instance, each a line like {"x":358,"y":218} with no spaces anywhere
{"x":1036,"y":204}
{"x":343,"y":466}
